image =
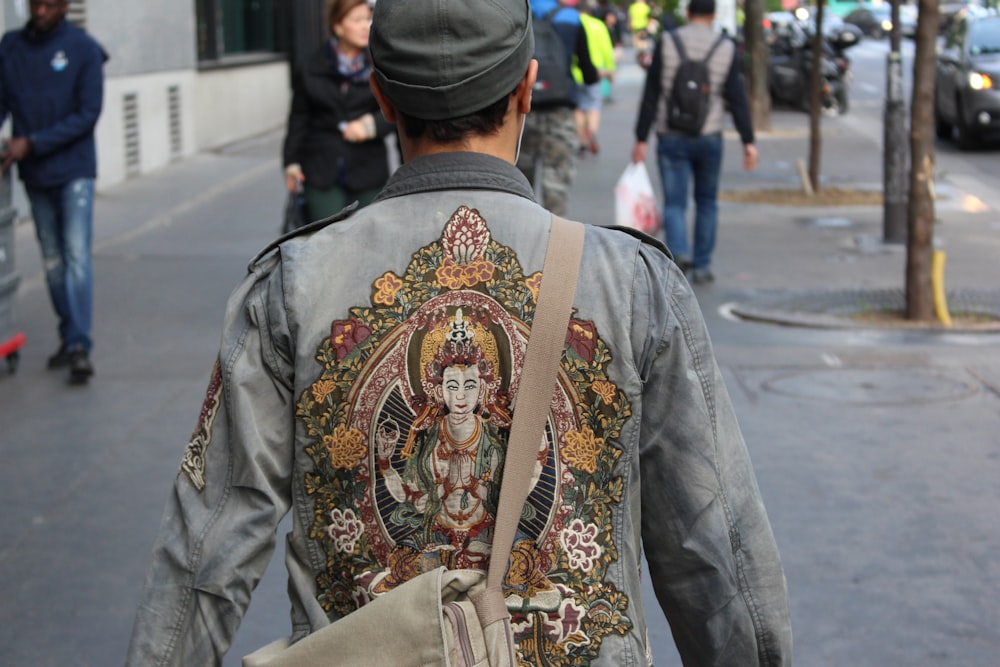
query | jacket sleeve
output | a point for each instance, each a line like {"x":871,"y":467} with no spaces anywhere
{"x":651,"y":91}
{"x":217,"y":533}
{"x":4,"y":49}
{"x":88,"y":97}
{"x":734,"y":93}
{"x":298,"y":122}
{"x":712,"y":556}
{"x":583,"y":59}
{"x":607,"y":49}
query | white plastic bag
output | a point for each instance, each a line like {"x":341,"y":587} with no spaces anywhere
{"x":635,"y":200}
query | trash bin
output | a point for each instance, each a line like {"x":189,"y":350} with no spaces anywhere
{"x":11,"y":340}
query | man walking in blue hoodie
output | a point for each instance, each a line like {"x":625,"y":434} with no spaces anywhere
{"x":52,"y":85}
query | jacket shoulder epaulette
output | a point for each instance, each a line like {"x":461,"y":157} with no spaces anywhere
{"x":314,"y":226}
{"x":645,"y":238}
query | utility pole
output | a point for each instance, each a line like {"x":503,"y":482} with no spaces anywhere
{"x":894,"y":176}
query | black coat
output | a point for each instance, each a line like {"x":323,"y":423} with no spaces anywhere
{"x":321,"y":99}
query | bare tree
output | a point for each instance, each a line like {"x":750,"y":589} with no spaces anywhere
{"x":920,"y":212}
{"x":758,"y":55}
{"x":815,"y":103}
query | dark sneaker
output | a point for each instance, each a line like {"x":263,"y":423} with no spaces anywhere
{"x":80,"y":368}
{"x":61,"y":359}
{"x":701,"y":276}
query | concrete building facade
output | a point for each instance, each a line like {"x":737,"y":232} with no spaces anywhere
{"x":185,"y":77}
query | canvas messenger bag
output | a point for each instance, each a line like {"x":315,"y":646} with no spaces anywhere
{"x":458,"y":618}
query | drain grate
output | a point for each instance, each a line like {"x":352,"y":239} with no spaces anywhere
{"x":872,"y":386}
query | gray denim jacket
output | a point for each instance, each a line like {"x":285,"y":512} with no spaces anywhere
{"x":365,"y":382}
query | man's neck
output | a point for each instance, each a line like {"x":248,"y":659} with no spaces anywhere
{"x":38,"y":32}
{"x":501,"y":144}
{"x":698,"y":19}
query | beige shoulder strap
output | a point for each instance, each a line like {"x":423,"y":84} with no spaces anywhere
{"x":538,"y":378}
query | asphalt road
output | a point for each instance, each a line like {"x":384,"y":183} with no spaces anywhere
{"x":877,"y":451}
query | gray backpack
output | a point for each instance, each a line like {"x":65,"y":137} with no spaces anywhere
{"x":687,"y":107}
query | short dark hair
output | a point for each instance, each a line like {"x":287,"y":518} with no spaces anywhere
{"x":483,"y":122}
{"x":701,"y":7}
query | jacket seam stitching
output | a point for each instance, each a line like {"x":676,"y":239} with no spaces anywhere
{"x":196,"y":555}
{"x":735,"y":543}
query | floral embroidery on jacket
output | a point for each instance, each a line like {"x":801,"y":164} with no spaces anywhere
{"x":408,"y":424}
{"x":193,"y":464}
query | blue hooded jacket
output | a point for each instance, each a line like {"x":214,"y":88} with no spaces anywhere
{"x":52,"y":85}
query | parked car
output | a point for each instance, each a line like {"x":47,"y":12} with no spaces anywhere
{"x":908,"y":15}
{"x":841,"y":8}
{"x":873,"y":20}
{"x":967,"y":78}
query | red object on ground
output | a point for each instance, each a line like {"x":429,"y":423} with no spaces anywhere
{"x":12,"y":345}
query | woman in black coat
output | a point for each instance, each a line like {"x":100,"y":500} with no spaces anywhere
{"x":334,"y":148}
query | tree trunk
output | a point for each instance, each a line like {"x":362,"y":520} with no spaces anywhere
{"x":758,"y":55}
{"x":895,"y":156}
{"x":920,"y":212}
{"x":815,"y":105}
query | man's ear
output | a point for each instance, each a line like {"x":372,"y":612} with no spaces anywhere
{"x":525,"y":87}
{"x":384,"y":104}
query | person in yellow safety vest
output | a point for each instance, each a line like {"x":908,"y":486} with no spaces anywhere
{"x":588,"y":98}
{"x":638,"y":22}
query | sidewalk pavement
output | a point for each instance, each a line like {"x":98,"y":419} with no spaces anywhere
{"x":762,"y":248}
{"x":877,"y":455}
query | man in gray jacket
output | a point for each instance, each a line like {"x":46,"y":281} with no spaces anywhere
{"x":366,"y":380}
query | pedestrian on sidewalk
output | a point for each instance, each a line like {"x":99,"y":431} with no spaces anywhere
{"x":639,"y":13}
{"x":588,"y":97}
{"x":334,"y":150}
{"x":52,"y":85}
{"x":549,"y":144}
{"x":683,"y":155}
{"x":367,"y":379}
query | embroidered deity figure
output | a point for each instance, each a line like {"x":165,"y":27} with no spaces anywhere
{"x":446,"y":489}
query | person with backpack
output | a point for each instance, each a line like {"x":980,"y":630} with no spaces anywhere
{"x":693,"y":75}
{"x":549,"y":145}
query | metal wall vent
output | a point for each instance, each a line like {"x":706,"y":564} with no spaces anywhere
{"x":77,"y":13}
{"x":174,"y":120}
{"x":130,"y":116}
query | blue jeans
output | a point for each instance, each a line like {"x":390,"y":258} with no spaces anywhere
{"x":679,"y":157}
{"x":64,"y":225}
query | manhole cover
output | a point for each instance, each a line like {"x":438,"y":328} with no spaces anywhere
{"x":870,"y":386}
{"x":834,"y":222}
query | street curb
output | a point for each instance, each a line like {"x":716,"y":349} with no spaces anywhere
{"x":838,"y":309}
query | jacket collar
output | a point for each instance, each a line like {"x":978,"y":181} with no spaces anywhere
{"x":33,"y":35}
{"x":460,"y":170}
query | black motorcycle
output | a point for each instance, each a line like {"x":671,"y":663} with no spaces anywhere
{"x":791,"y":64}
